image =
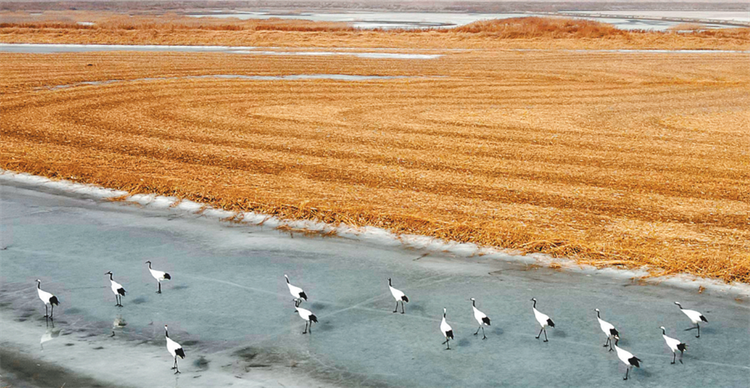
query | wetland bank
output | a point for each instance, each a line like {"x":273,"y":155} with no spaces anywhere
{"x":566,"y":137}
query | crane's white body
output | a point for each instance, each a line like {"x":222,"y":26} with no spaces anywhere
{"x":399,"y":296}
{"x":44,"y":296}
{"x":447,"y":330}
{"x":674,"y":345}
{"x":304,"y":313}
{"x":47,"y":298}
{"x":172,"y":346}
{"x":309,"y":318}
{"x":115,"y":286}
{"x":174,"y":349}
{"x":117,"y":289}
{"x":695,"y":317}
{"x":543,"y":320}
{"x":481,"y":318}
{"x":160,"y":276}
{"x":297,"y":293}
{"x":608,"y":329}
{"x":627,"y":358}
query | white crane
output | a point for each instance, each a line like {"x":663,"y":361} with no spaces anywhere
{"x":309,"y":318}
{"x":296,"y":292}
{"x":116,"y":289}
{"x":447,"y":330}
{"x":609,"y":330}
{"x":174,"y":349}
{"x":47,"y":298}
{"x":627,"y":358}
{"x":674,"y":345}
{"x":399,"y":296}
{"x":158,"y":275}
{"x":544,"y":321}
{"x":695,"y":317}
{"x":482,"y":318}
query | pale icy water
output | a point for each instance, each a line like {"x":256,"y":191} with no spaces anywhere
{"x":415,"y":20}
{"x":78,"y":48}
{"x":717,"y":15}
{"x":229,"y":307}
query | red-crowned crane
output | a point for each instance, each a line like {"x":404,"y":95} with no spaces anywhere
{"x":47,"y":298}
{"x":158,"y":275}
{"x":174,"y":349}
{"x":296,"y":292}
{"x":608,"y":329}
{"x":695,"y":317}
{"x":674,"y":345}
{"x":628,"y":359}
{"x":481,"y":318}
{"x":447,"y":330}
{"x":399,"y":296}
{"x":116,"y":289}
{"x":544,"y":321}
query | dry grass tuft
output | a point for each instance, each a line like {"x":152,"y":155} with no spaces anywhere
{"x":536,"y":27}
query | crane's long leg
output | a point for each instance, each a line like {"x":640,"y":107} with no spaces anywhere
{"x":402,"y":306}
{"x":627,"y":371}
{"x":396,"y":309}
{"x":540,"y":333}
{"x":309,"y":330}
{"x":674,"y":356}
{"x":607,"y":343}
{"x":45,"y":311}
{"x":159,"y":283}
{"x":484,"y":337}
{"x":176,"y":365}
{"x":305,"y":332}
{"x":52,"y":313}
{"x":545,"y":335}
{"x":681,"y":352}
{"x":448,"y":342}
{"x":477,"y":332}
{"x":699,"y":330}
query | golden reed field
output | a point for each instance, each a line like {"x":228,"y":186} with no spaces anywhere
{"x":626,"y":159}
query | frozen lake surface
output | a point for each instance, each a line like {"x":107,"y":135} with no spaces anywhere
{"x":229,"y":307}
{"x":34,"y":48}
{"x":416,"y":20}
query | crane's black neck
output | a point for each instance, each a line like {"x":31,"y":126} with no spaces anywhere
{"x":534,"y":303}
{"x":287,"y":280}
{"x":39,"y":285}
{"x":474,"y":303}
{"x":149,"y":265}
{"x":389,"y":282}
{"x":110,"y":277}
{"x":680,"y":306}
{"x":166,"y":332}
{"x":443,"y":314}
{"x":664,"y":332}
{"x":597,"y":314}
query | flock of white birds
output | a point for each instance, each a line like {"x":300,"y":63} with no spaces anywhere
{"x":299,"y":295}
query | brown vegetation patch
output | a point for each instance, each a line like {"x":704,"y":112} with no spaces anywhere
{"x":610,"y":159}
{"x":173,"y":29}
